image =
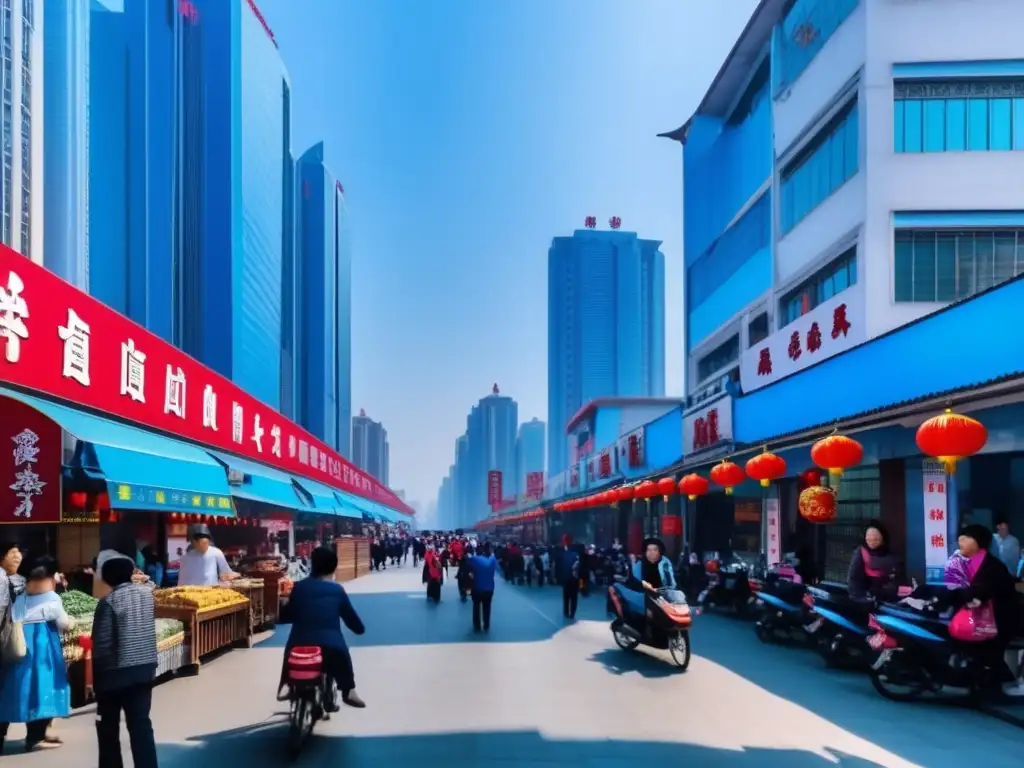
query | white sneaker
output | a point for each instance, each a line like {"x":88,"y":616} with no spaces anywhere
{"x":1014,"y":689}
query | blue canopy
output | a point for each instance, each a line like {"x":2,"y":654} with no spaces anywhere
{"x":262,"y":483}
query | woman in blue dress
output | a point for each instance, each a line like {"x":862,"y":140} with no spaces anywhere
{"x":35,"y":689}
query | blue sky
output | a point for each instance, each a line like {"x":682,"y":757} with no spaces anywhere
{"x":467,"y":134}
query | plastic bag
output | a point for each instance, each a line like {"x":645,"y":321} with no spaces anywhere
{"x":974,"y":625}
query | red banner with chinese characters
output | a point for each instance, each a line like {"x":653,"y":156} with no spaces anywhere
{"x":494,"y":495}
{"x":534,"y":485}
{"x":31,"y":460}
{"x":59,"y":341}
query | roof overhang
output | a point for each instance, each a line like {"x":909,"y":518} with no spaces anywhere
{"x":617,"y":402}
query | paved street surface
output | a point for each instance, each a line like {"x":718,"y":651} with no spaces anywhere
{"x":539,"y":692}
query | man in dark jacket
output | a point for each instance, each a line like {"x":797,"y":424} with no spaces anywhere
{"x":567,"y":565}
{"x":124,"y":661}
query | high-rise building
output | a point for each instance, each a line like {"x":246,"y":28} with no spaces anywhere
{"x":529,"y":452}
{"x":66,"y":139}
{"x":370,"y":446}
{"x":238,"y":318}
{"x":606,"y":325}
{"x":324,"y":277}
{"x":21,"y":175}
{"x":460,"y":481}
{"x":491,"y":446}
{"x":291,"y":300}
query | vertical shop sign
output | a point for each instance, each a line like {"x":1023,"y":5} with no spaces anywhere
{"x":534,"y":485}
{"x":936,"y":545}
{"x":774,"y":532}
{"x":494,"y":489}
{"x":31,"y":449}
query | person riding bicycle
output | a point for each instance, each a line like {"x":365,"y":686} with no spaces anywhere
{"x":313,"y":610}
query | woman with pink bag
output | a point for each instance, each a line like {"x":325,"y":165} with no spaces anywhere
{"x":989,"y":599}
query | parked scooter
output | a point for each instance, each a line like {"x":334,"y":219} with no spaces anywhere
{"x":785,"y":615}
{"x":916,"y":655}
{"x":656,"y":618}
{"x":729,"y":586}
{"x":845,"y":626}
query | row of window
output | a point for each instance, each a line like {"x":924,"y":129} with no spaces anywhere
{"x":958,"y":116}
{"x":806,"y":28}
{"x":943,"y":265}
{"x":729,"y":252}
{"x":828,"y":162}
{"x":834,"y":278}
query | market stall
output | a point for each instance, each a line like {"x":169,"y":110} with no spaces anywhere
{"x":268,"y":570}
{"x":213,"y":618}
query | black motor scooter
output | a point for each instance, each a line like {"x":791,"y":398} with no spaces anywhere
{"x":785,"y":615}
{"x":728,"y":587}
{"x":657,"y":618}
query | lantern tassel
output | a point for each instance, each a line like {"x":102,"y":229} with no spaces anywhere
{"x":949,"y":462}
{"x":691,"y":497}
{"x":728,"y":491}
{"x":836,"y":471}
{"x":765,"y":483}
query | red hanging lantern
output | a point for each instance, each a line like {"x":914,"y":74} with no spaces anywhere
{"x":77,"y":499}
{"x":667,"y":487}
{"x":727,"y":475}
{"x":818,"y":504}
{"x":950,"y":436}
{"x":113,"y":517}
{"x":837,"y":453}
{"x":809,"y":477}
{"x":625,"y":493}
{"x":646,"y":490}
{"x":694,"y":485}
{"x":766,"y":467}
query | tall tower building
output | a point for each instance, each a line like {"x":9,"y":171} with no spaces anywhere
{"x":370,"y":446}
{"x":606,"y":325}
{"x":66,"y":139}
{"x":491,"y":437}
{"x":529,"y":453}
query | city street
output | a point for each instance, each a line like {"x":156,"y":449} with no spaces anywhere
{"x":537,"y":692}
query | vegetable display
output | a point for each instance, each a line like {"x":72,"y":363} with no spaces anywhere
{"x":78,"y":604}
{"x":167,"y":628}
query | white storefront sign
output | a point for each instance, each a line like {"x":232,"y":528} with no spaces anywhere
{"x":708,"y":426}
{"x":825,"y":331}
{"x":936,"y":533}
{"x":773,"y":550}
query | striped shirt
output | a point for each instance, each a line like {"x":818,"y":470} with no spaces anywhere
{"x":124,"y":638}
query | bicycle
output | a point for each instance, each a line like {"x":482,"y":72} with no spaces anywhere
{"x":311,"y":695}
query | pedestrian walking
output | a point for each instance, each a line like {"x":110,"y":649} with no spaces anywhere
{"x":567,"y":572}
{"x":483,"y":566}
{"x":124,"y":662}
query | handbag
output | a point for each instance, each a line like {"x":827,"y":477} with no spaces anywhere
{"x":13,"y":648}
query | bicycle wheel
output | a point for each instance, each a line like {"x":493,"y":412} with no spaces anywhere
{"x":299,"y":725}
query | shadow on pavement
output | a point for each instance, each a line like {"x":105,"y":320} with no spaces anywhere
{"x":261,"y":744}
{"x":620,"y":662}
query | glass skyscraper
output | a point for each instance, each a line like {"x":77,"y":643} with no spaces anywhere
{"x":324,"y":315}
{"x":606,"y":325}
{"x":66,"y":139}
{"x":370,"y":450}
{"x":529,"y":452}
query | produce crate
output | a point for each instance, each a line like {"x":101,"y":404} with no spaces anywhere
{"x":271,"y":609}
{"x":210,"y":630}
{"x":353,"y":557}
{"x":255,"y":596}
{"x":171,"y":658}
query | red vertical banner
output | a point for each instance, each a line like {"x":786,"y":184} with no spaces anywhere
{"x":31,"y":458}
{"x":494,"y":495}
{"x":534,"y":485}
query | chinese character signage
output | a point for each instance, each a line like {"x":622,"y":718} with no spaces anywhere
{"x":606,"y":463}
{"x":57,"y":340}
{"x":534,"y":485}
{"x":708,"y":426}
{"x":31,"y":448}
{"x":630,"y":449}
{"x":773,"y":550}
{"x":494,"y":489}
{"x":936,"y":531}
{"x":830,"y":328}
{"x":124,"y":496}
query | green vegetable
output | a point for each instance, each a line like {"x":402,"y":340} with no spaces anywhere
{"x":79,"y":604}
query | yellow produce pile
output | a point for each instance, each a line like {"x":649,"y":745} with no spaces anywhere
{"x":198,"y":598}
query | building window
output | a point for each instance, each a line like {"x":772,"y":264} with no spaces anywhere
{"x":825,"y":164}
{"x":946,"y":265}
{"x":733,"y":248}
{"x":806,"y":28}
{"x":757,"y":330}
{"x":719,"y":358}
{"x":958,"y":115}
{"x":822,"y":286}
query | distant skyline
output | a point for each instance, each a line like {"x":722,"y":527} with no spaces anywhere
{"x":463,"y":153}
